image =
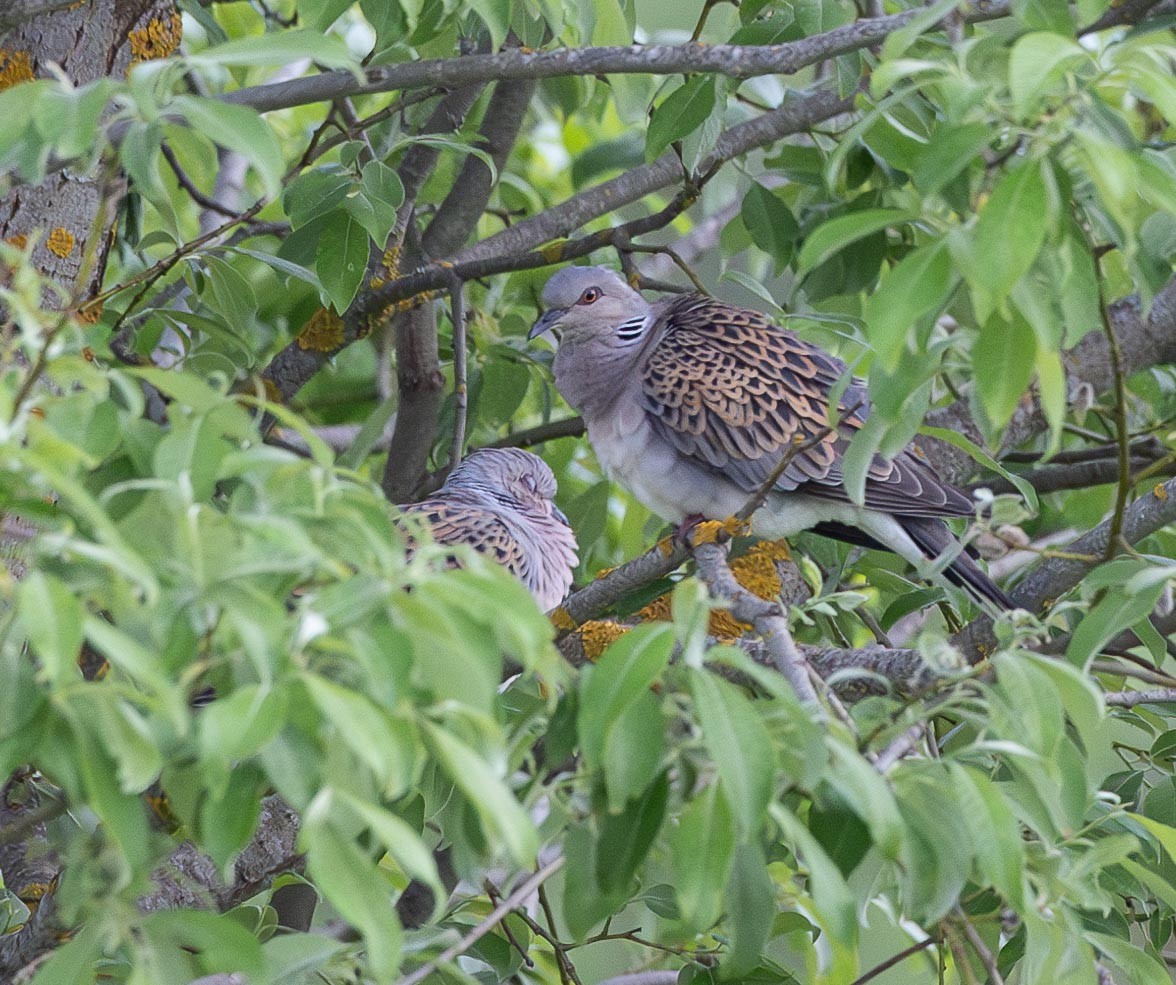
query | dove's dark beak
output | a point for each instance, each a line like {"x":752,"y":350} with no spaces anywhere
{"x":546,"y":322}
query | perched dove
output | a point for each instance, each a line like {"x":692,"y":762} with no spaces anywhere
{"x":692,"y":403}
{"x":499,"y":502}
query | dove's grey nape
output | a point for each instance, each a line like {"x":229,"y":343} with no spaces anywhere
{"x":499,"y":501}
{"x":691,"y":403}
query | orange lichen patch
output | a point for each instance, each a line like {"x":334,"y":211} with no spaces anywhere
{"x":60,"y":242}
{"x":666,"y":546}
{"x":20,"y":241}
{"x":597,"y":635}
{"x":657,"y":611}
{"x":90,"y":313}
{"x":756,"y":570}
{"x":723,"y":627}
{"x":15,"y":67}
{"x":561,"y":619}
{"x":553,"y":252}
{"x":272,"y":393}
{"x":157,"y":40}
{"x":34,"y":892}
{"x":323,"y":331}
{"x":1160,"y":491}
{"x":707,"y":532}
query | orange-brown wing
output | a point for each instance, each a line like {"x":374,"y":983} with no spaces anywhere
{"x":454,"y":522}
{"x":733,"y":391}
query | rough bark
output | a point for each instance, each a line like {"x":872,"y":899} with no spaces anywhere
{"x":94,"y":39}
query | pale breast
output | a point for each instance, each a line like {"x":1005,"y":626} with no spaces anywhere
{"x":659,"y":476}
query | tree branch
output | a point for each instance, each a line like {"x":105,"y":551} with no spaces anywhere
{"x":735,"y":61}
{"x":1143,"y":342}
{"x":18,"y":11}
{"x":768,"y":618}
{"x":509,"y":249}
{"x":1129,"y":699}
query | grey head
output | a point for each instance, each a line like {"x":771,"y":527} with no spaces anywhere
{"x":510,"y":476}
{"x":603,"y":325}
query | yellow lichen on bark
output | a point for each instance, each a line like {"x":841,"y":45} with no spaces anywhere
{"x":157,"y":40}
{"x":15,"y":67}
{"x":60,"y":242}
{"x":20,"y":241}
{"x":272,"y":393}
{"x":323,"y":332}
{"x":561,"y":619}
{"x":597,"y":635}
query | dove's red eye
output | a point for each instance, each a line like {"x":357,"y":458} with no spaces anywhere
{"x":590,"y":294}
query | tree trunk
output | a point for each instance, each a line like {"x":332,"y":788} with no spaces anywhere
{"x":93,"y":39}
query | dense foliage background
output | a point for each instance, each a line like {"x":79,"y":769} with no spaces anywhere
{"x":264,"y":264}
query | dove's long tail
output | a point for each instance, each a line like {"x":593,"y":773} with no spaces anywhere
{"x":932,"y":537}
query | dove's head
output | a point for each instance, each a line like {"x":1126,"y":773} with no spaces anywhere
{"x":602,"y":322}
{"x":512,"y":477}
{"x":582,"y":301}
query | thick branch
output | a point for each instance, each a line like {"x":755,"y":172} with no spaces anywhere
{"x":768,"y":618}
{"x":18,"y":11}
{"x":418,"y":367}
{"x":736,"y":61}
{"x":1144,"y":341}
{"x":508,"y":250}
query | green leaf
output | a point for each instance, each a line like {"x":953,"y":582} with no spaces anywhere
{"x":281,"y":48}
{"x":1141,"y":967}
{"x":771,"y":224}
{"x":739,"y":743}
{"x":1045,"y":15}
{"x":341,"y":258}
{"x":1008,"y":236}
{"x":981,"y":457}
{"x":495,"y":14}
{"x":365,"y":729}
{"x":354,"y":886}
{"x":236,"y":128}
{"x":624,"y":672}
{"x":503,"y":819}
{"x":625,"y":838}
{"x":288,"y":957}
{"x":833,"y":236}
{"x":996,"y":833}
{"x":51,"y":615}
{"x":1002,"y":365}
{"x":949,"y":153}
{"x":314,"y":193}
{"x":751,"y":909}
{"x":632,"y":750}
{"x":1036,"y":67}
{"x":683,"y":111}
{"x":868,"y":794}
{"x":919,"y":286}
{"x":835,"y":901}
{"x":702,"y":847}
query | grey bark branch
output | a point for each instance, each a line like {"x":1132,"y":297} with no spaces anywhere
{"x":417,"y":359}
{"x":418,"y":363}
{"x":510,"y":249}
{"x":1144,"y":340}
{"x":735,"y":61}
{"x":18,"y":11}
{"x":768,"y":618}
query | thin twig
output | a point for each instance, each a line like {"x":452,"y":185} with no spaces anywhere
{"x":24,"y":824}
{"x":1122,"y":434}
{"x":565,"y":427}
{"x":460,"y":390}
{"x":488,"y":924}
{"x":189,"y":186}
{"x":982,"y":950}
{"x":894,"y":959}
{"x":1129,"y":699}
